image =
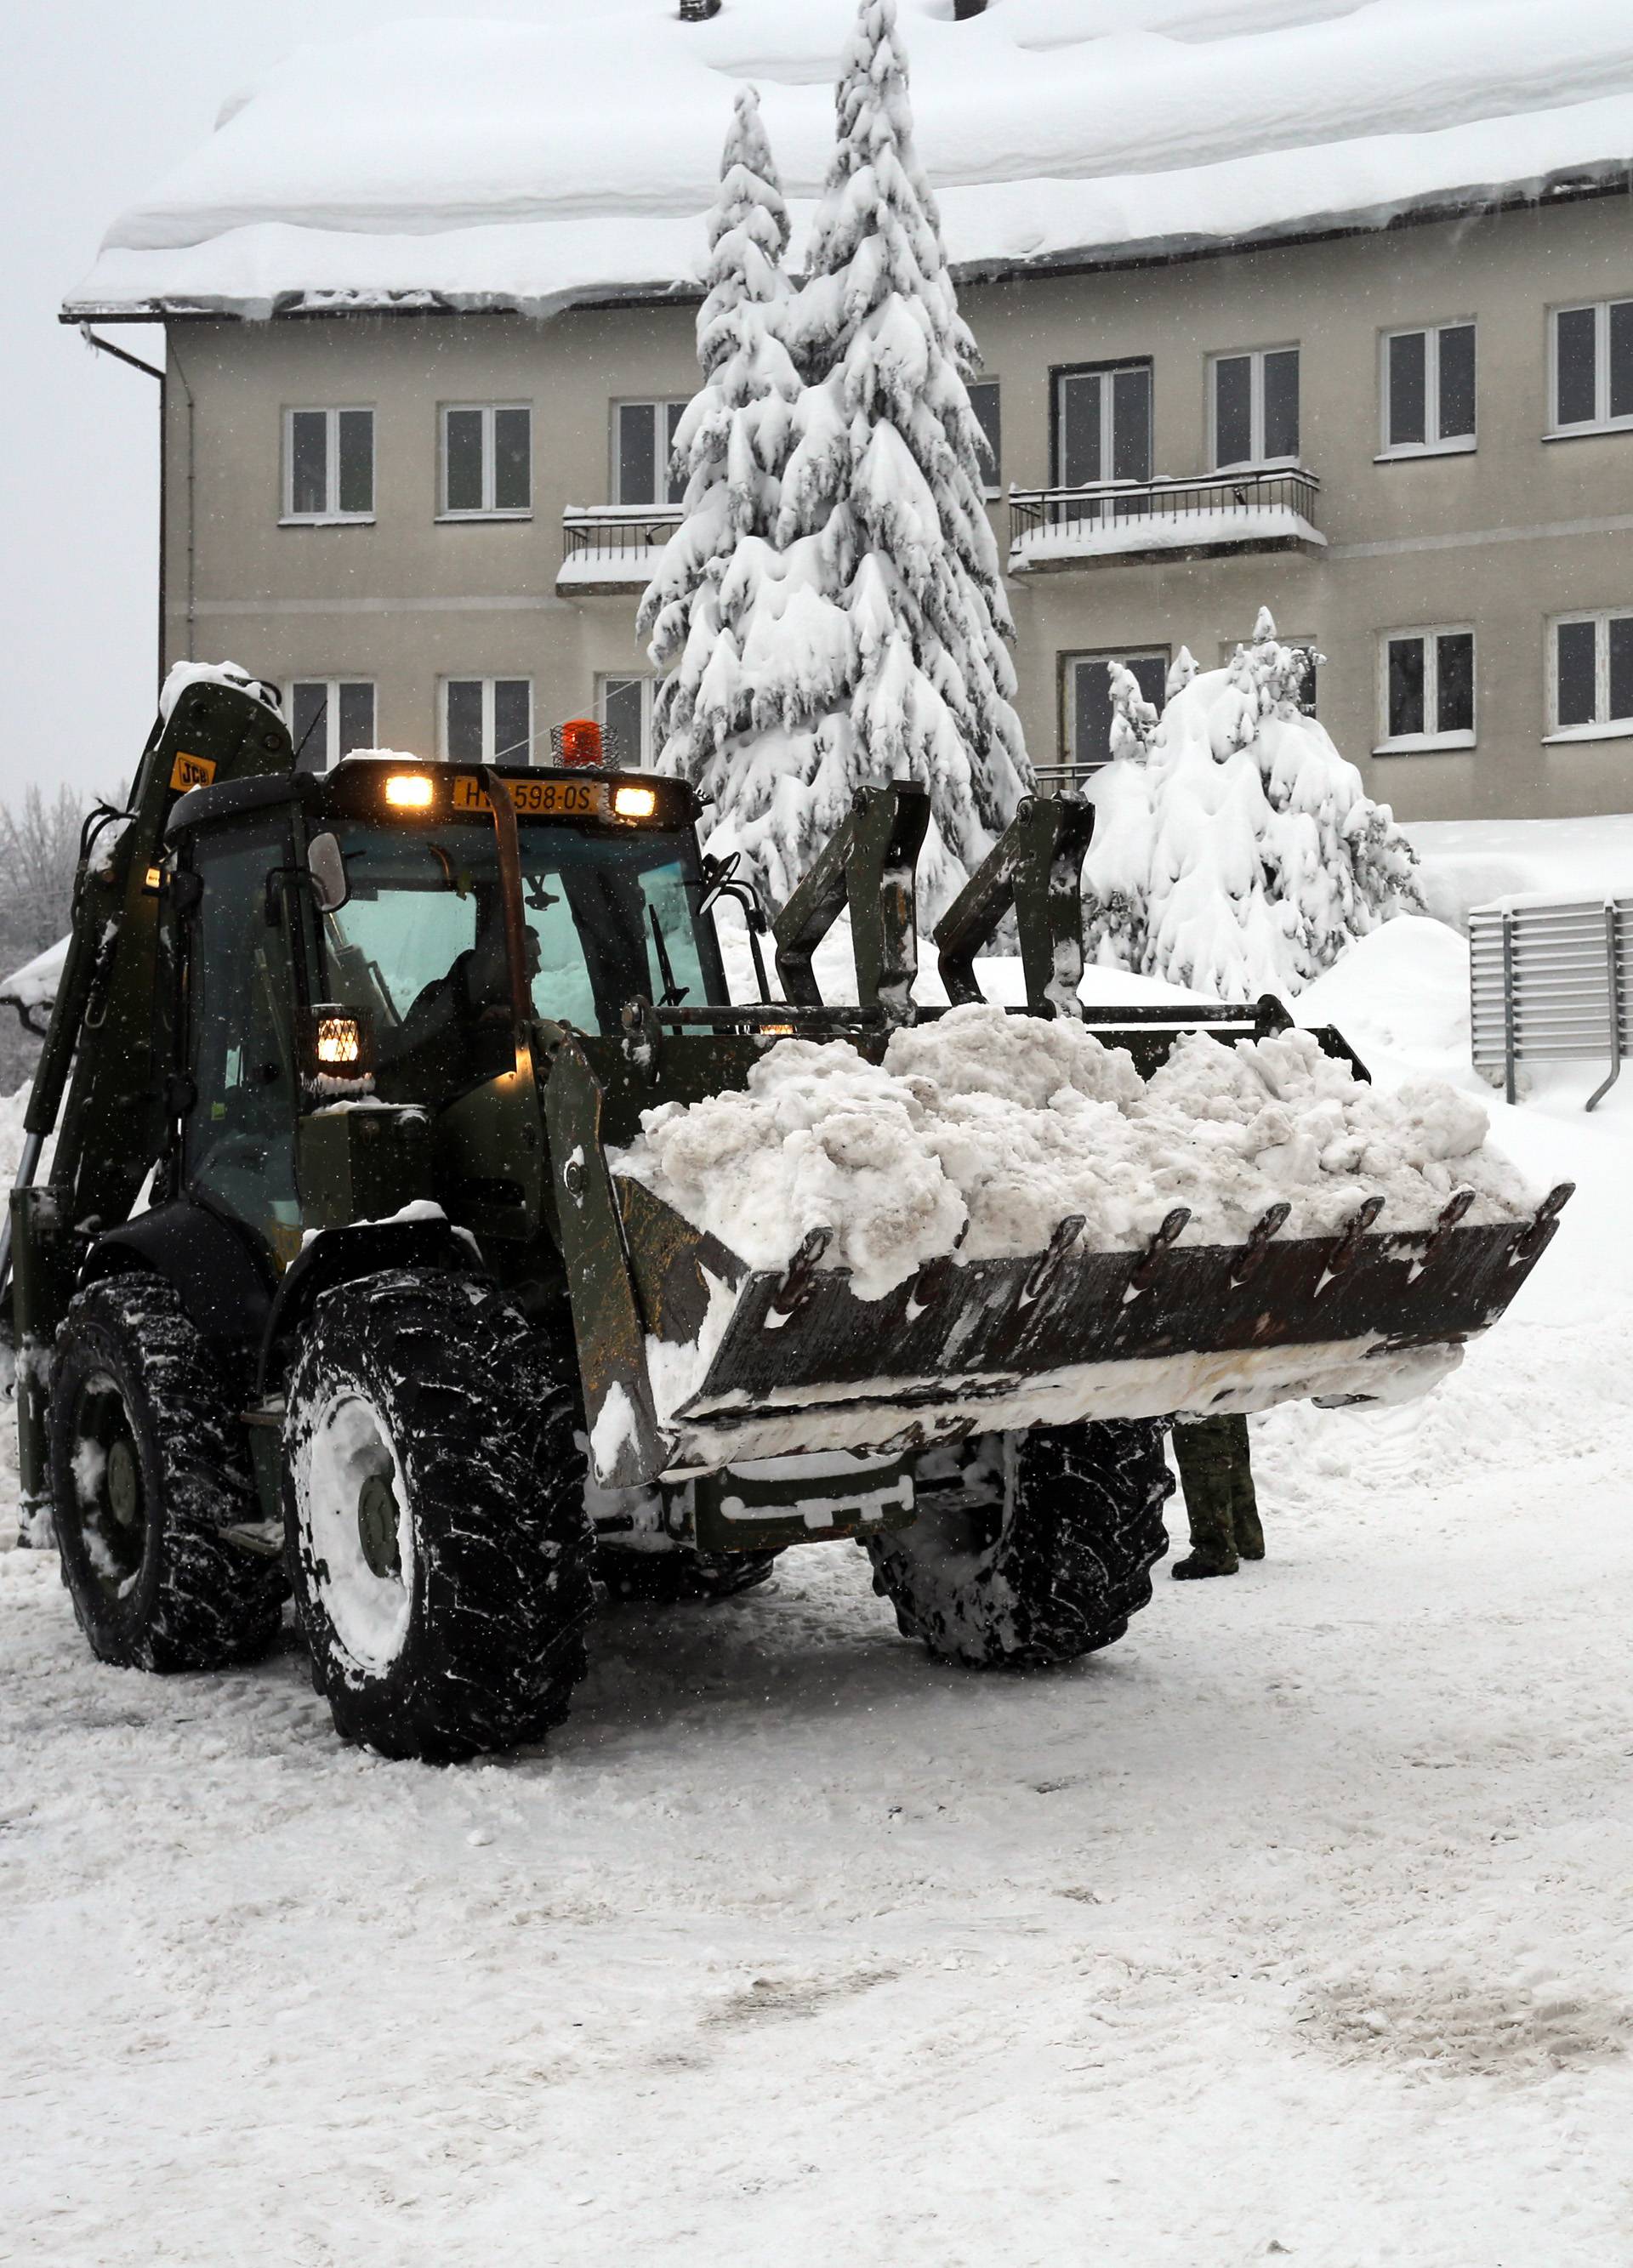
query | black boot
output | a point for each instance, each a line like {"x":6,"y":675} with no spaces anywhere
{"x":1195,"y":1568}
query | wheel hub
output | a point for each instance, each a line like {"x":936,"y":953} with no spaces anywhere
{"x":377,"y":1526}
{"x":123,"y":1483}
{"x":353,"y":1506}
{"x":107,"y":1504}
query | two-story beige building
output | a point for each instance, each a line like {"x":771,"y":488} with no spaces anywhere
{"x":1408,"y":430}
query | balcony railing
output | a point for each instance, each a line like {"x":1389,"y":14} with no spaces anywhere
{"x":613,"y":547}
{"x":1121,"y":520}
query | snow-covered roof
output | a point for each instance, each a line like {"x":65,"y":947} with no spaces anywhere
{"x":531,"y":165}
{"x":34,"y":985}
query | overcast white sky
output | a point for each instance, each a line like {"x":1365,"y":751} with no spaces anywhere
{"x":96,"y":98}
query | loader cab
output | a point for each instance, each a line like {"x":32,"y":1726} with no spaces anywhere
{"x":378,"y":892}
{"x":416,"y":945}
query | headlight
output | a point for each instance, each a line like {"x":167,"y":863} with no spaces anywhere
{"x":340,"y":1050}
{"x":409,"y":790}
{"x":339,"y":1043}
{"x":634,"y":802}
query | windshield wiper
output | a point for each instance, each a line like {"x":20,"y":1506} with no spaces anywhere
{"x":672,"y":997}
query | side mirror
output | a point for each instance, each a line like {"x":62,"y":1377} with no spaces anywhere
{"x":327,"y":865}
{"x":721,"y":881}
{"x":717,"y":876}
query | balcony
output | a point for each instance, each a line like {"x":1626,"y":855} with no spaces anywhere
{"x":613,"y":547}
{"x":1132,"y":523}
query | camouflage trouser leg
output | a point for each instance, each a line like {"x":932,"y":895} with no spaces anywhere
{"x":1250,"y":1536}
{"x":1206,"y":1454}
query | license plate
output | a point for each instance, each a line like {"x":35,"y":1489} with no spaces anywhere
{"x":756,"y":1510}
{"x":537,"y":798}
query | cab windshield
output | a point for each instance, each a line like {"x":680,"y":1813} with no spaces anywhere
{"x":418,"y":948}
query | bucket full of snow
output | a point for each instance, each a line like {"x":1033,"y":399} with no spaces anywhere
{"x":984,"y":1222}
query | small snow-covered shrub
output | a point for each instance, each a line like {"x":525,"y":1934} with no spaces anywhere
{"x":1236,"y":851}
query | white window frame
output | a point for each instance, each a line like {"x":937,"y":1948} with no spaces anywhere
{"x":330,"y":734}
{"x":1110,"y":508}
{"x":1603,"y":726}
{"x":1601,"y":422}
{"x":1417,"y":744}
{"x":1070,"y":659}
{"x":1255,"y":356}
{"x":1458,"y":444}
{"x":331,"y":516}
{"x":661,"y":404}
{"x":525,"y":755}
{"x":488,"y":509}
{"x":648,"y":685}
{"x":993,"y":487}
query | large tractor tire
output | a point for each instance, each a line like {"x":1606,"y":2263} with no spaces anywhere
{"x":433,"y":1501}
{"x":1030,"y":1549}
{"x":148,"y":1469}
{"x":680,"y":1576}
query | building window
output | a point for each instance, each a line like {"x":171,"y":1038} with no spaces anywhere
{"x":1592,"y":366}
{"x":1102,"y":425}
{"x":1086,"y":700}
{"x":329,"y":464}
{"x":487,"y":463}
{"x":643,"y":442}
{"x":1429,"y":690}
{"x":1429,"y":390}
{"x":487,"y":720}
{"x":624,"y":707}
{"x":330,"y":717}
{"x":988,"y":415}
{"x":1592,"y":674}
{"x":1253,"y":414}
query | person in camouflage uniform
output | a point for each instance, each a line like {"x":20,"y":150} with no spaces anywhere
{"x":1218,"y":1476}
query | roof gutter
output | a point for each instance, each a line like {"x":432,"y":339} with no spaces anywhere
{"x":152,"y":369}
{"x":106,"y":347}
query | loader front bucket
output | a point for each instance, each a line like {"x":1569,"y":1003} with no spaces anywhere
{"x":800,"y":1364}
{"x":691,"y":1360}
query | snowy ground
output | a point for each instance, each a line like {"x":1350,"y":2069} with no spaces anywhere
{"x":1297,"y":1924}
{"x":1468,"y":862}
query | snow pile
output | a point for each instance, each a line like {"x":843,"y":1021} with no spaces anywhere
{"x":425,"y":162}
{"x":1465,"y":862}
{"x":184,"y":673}
{"x":1235,"y":850}
{"x":980,"y":1132}
{"x":13,"y":1133}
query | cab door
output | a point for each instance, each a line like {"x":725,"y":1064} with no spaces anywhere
{"x":239,"y":1150}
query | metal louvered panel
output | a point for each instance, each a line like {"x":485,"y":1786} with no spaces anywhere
{"x":1552,"y":983}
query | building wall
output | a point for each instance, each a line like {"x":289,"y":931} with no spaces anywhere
{"x":411,"y":600}
{"x":1503,"y":538}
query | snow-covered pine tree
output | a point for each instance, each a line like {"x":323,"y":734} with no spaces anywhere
{"x":882,"y":510}
{"x":1246,"y":855}
{"x":719,"y":607}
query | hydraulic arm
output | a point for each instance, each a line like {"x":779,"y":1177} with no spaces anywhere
{"x":120,"y":1095}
